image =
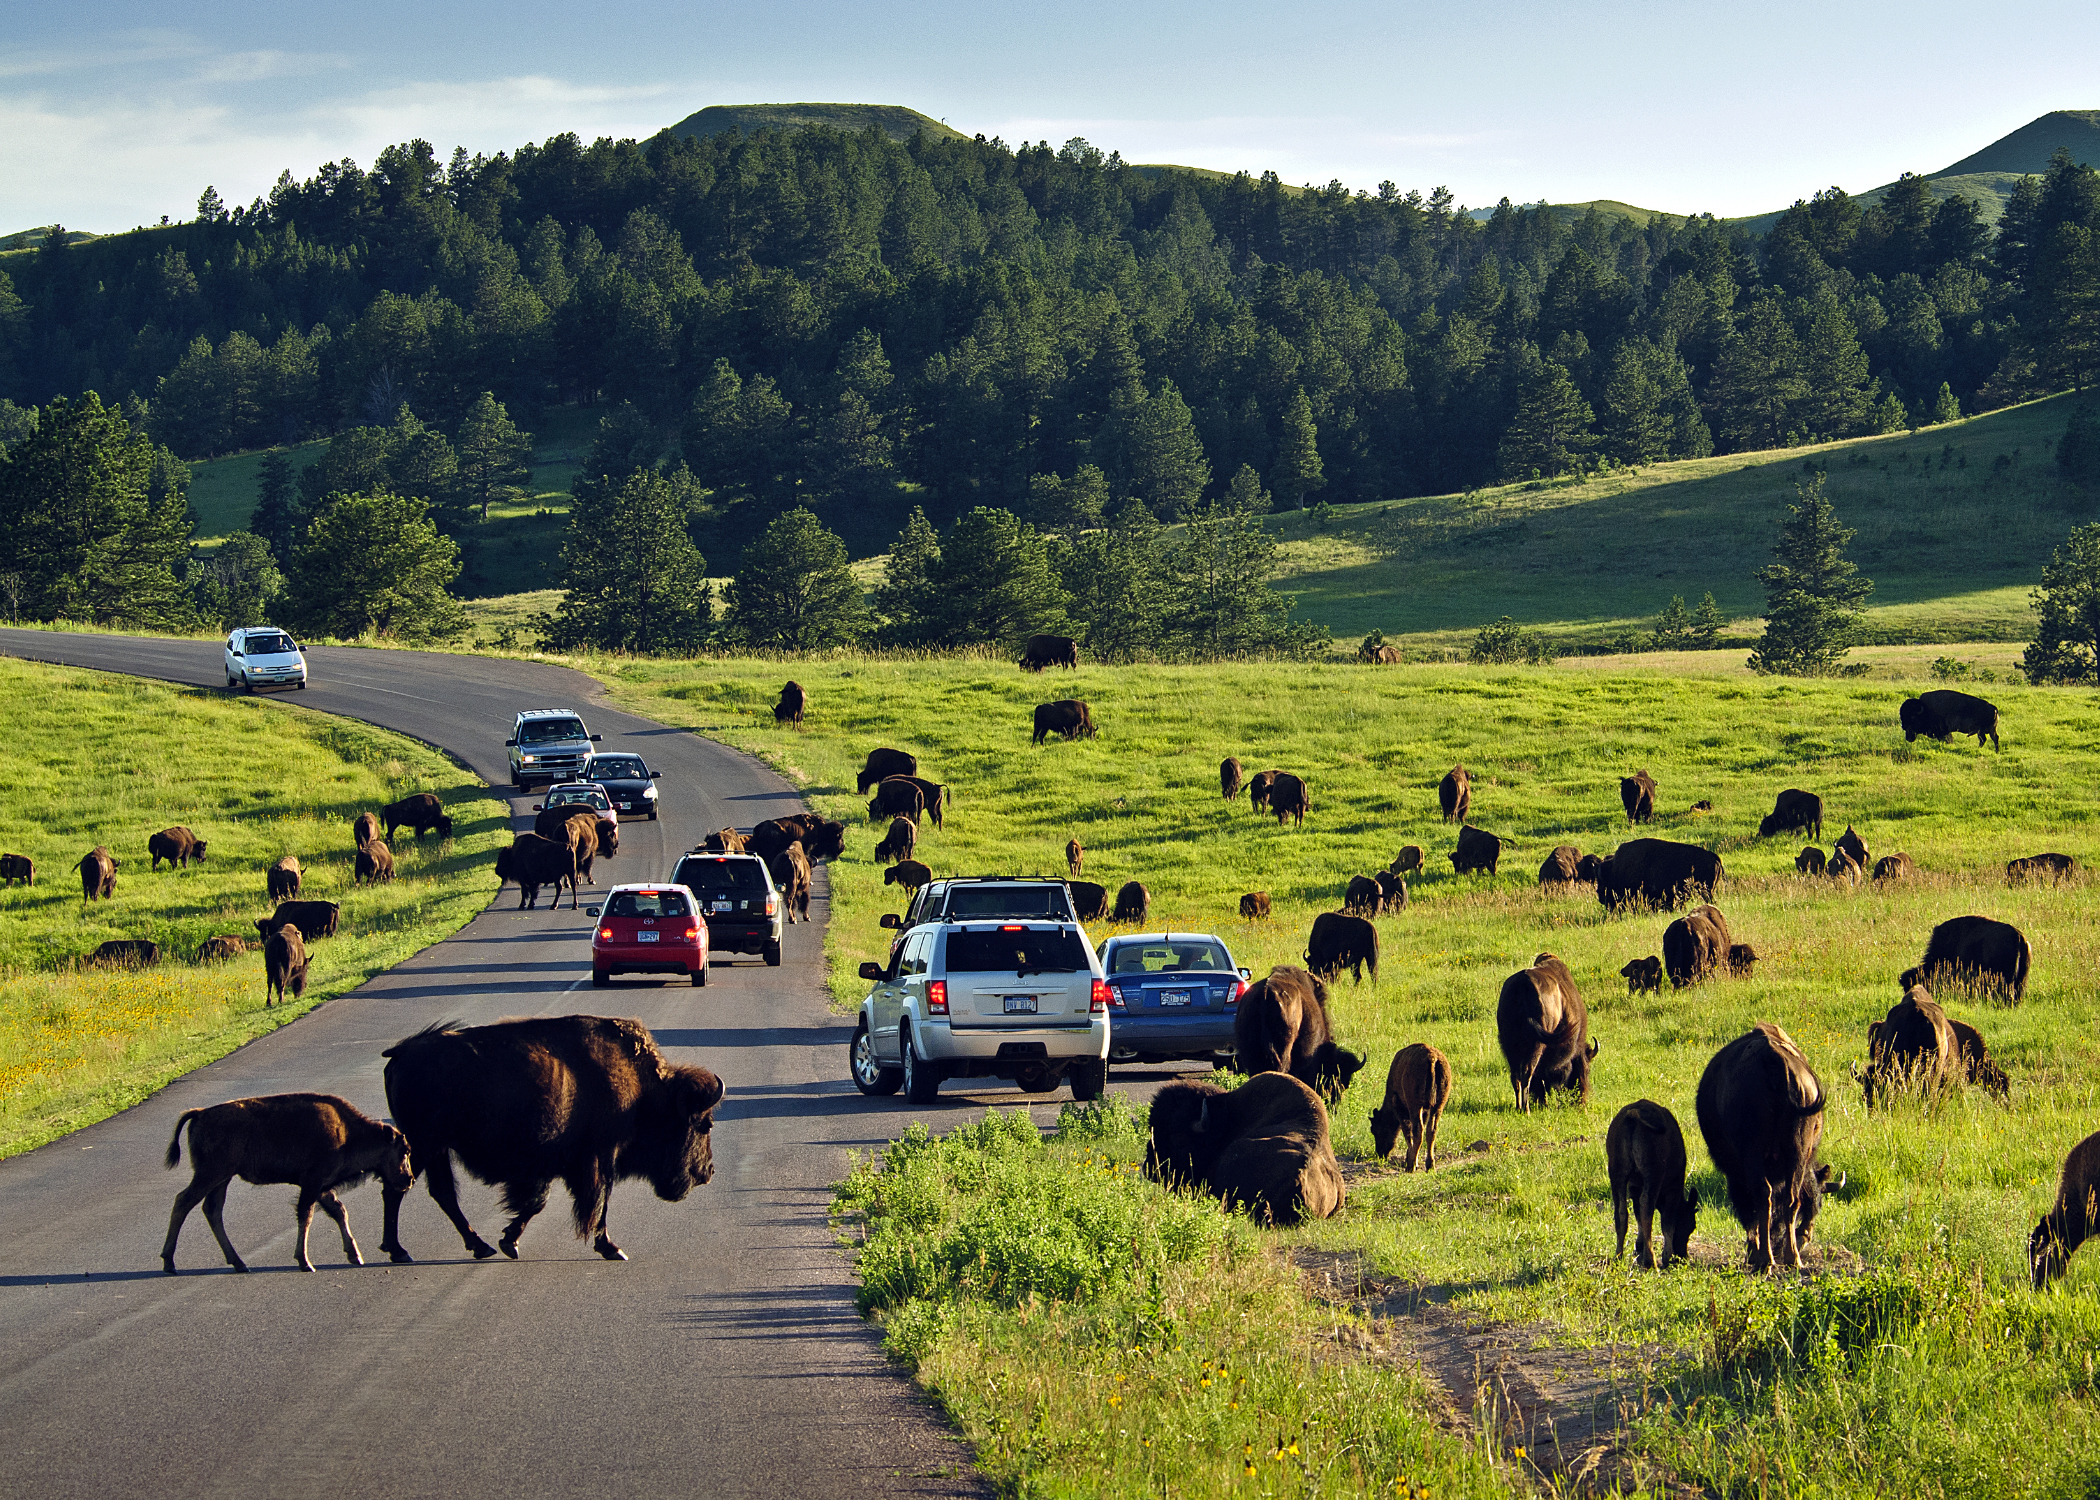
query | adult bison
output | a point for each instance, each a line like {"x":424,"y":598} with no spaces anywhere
{"x":1477,"y":850}
{"x":314,"y":919}
{"x":1561,"y":866}
{"x":1289,"y":797}
{"x":365,"y":829}
{"x":532,"y":861}
{"x":1644,"y":1157}
{"x":1090,"y":901}
{"x":1392,"y":892}
{"x":1133,"y":902}
{"x":1258,"y":789}
{"x":375,"y":862}
{"x":588,"y":1100}
{"x":821,"y":838}
{"x":1897,"y":866}
{"x":722,"y":841}
{"x":178,"y":846}
{"x":1854,"y":848}
{"x":1049,"y":651}
{"x":422,"y":812}
{"x":1229,"y":778}
{"x":1282,"y":1027}
{"x":582,"y":830}
{"x":1761,"y":1111}
{"x":1913,"y":1048}
{"x":883,"y":763}
{"x":1793,"y":811}
{"x":897,"y":797}
{"x":1698,"y":946}
{"x":284,"y":878}
{"x":220,"y":948}
{"x":792,"y":874}
{"x":1383,"y":656}
{"x":1339,"y":942}
{"x":1417,"y":1087}
{"x":1657,"y":872}
{"x":934,"y":794}
{"x":792,"y":701}
{"x":1944,"y":713}
{"x":1637,"y":794}
{"x":15,"y":867}
{"x":1545,"y":1032}
{"x":2056,"y":868}
{"x":2072,"y":1219}
{"x":1454,"y":794}
{"x":1264,"y":1147}
{"x":1975,"y":953}
{"x":1068,"y":717}
{"x":126,"y":953}
{"x":1254,"y":906}
{"x":284,"y":962}
{"x":98,"y":874}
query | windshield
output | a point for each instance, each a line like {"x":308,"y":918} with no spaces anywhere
{"x":618,"y":768}
{"x":590,"y":798}
{"x":270,"y":645}
{"x":721,"y":874}
{"x":1045,"y":951}
{"x":1008,"y":901}
{"x":539,"y":731}
{"x":1180,"y":956}
{"x":647,"y":904}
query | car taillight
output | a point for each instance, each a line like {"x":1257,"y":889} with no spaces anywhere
{"x":1103,"y":997}
{"x":691,"y":933}
{"x":771,"y":904}
{"x":937,"y":996}
{"x":1238,"y":991}
{"x":606,"y":933}
{"x":1116,"y":997}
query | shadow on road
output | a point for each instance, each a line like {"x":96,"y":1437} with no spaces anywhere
{"x":772,"y":1036}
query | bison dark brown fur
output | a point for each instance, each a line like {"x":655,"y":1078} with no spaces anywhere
{"x":1810,"y":861}
{"x":1254,"y":906}
{"x":1657,"y":872}
{"x":1258,"y":789}
{"x":908,"y":873}
{"x":1793,"y":811}
{"x":531,"y":862}
{"x":2072,"y":1219}
{"x":284,"y":878}
{"x":1362,"y":897}
{"x":1454,"y":794}
{"x":365,"y":829}
{"x":1049,"y":651}
{"x":98,"y":874}
{"x":898,"y":843}
{"x":1975,"y":953}
{"x":1477,"y":850}
{"x":1282,"y":1027}
{"x":2057,"y":867}
{"x":1264,"y":1147}
{"x":1417,"y":1087}
{"x":1761,"y":1112}
{"x":1339,"y":942}
{"x":1544,"y":1030}
{"x":221,"y":947}
{"x":178,"y":846}
{"x":1643,"y":975}
{"x":1943,"y":713}
{"x":792,"y":701}
{"x":1912,"y":1049}
{"x":792,"y":873}
{"x":15,"y":867}
{"x":1289,"y":797}
{"x":1637,"y":793}
{"x":1644,"y":1156}
{"x":422,"y":812}
{"x":314,"y":919}
{"x":1407,"y":861}
{"x":375,"y":862}
{"x":127,"y":953}
{"x":1089,"y":901}
{"x":1229,"y":777}
{"x":884,"y":763}
{"x":284,"y":962}
{"x":1068,"y":717}
{"x":1560,"y":866}
{"x":1133,"y":902}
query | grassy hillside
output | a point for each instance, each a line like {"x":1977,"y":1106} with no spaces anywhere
{"x":893,"y":120}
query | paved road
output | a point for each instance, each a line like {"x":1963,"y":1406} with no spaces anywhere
{"x":724,"y":1359}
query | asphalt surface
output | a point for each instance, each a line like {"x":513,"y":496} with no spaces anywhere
{"x":724,"y":1358}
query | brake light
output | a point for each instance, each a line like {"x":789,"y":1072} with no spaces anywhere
{"x":937,"y":996}
{"x":606,"y":933}
{"x":771,"y":902}
{"x":1115,"y":996}
{"x":1238,"y":991}
{"x":1011,"y":927}
{"x":1102,"y":998}
{"x":691,"y":933}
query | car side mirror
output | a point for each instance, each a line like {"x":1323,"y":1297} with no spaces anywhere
{"x":595,"y":738}
{"x":1246,"y":974}
{"x":873,"y":971}
{"x":592,"y":911}
{"x":507,"y":744}
{"x":536,"y":807}
{"x":656,"y":776}
{"x":892,"y":920}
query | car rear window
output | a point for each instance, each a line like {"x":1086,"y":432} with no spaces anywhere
{"x":617,"y":767}
{"x":720,"y":875}
{"x":647,"y":904}
{"x":1156,"y":958}
{"x":1041,"y":951}
{"x":539,"y":731}
{"x":578,"y":798}
{"x":969,"y":901}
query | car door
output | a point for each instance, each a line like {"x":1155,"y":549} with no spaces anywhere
{"x":887,"y":998}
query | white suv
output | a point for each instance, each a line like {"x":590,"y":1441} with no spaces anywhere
{"x":263,"y":656}
{"x":984,"y":998}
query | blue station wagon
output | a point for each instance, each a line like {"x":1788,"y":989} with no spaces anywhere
{"x":1172,"y":996}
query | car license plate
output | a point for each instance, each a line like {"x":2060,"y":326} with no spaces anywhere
{"x":1173,"y":997}
{"x":646,"y":937}
{"x":725,"y":906}
{"x":1020,"y":1005}
{"x":624,"y":806}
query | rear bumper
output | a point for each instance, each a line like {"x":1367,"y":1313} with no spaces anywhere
{"x":635,"y":958}
{"x":985,"y":1050}
{"x":1163,"y":1037}
{"x":740,"y":937}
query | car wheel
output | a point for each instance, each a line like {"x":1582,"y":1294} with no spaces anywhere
{"x":773,"y":954}
{"x":700,"y":976}
{"x":302,"y":684}
{"x":1089,"y":1080}
{"x":652,"y":815}
{"x":247,"y":682}
{"x":869,"y":1075}
{"x":922,"y":1080}
{"x":601,"y":978}
{"x":1044,"y":1082}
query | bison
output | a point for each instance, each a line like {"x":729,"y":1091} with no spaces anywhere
{"x":1339,"y":942}
{"x":1477,"y":850}
{"x":1544,"y":1031}
{"x":908,"y":873}
{"x":1842,"y":866}
{"x":1644,"y":1155}
{"x":1229,"y":778}
{"x":15,"y":867}
{"x":375,"y":862}
{"x":897,"y":797}
{"x":1133,"y":902}
{"x":219,"y":948}
{"x":317,"y":1141}
{"x":1392,"y":891}
{"x":1793,"y":811}
{"x":1761,"y":1111}
{"x":791,"y":872}
{"x":1943,"y":713}
{"x":1697,"y":946}
{"x":178,"y":846}
{"x":533,"y":861}
{"x":1258,"y":789}
{"x":1587,"y":867}
{"x":587,"y":1100}
{"x":1912,"y":1048}
{"x":1384,"y":656}
{"x":1090,"y":902}
{"x":1282,"y":1027}
{"x":1407,"y":861}
{"x":126,"y":953}
{"x":1560,"y":866}
{"x":1254,"y":906}
{"x":820,"y":837}
{"x":365,"y":829}
{"x":1656,"y":872}
{"x":1637,"y":792}
{"x":1289,"y":797}
{"x":1068,"y":717}
{"x":1417,"y":1087}
{"x":1811,"y":861}
{"x":1975,"y":953}
{"x":2071,"y":1221}
{"x":1643,"y":975}
{"x":722,"y":841}
{"x":1362,"y":897}
{"x":422,"y":812}
{"x":1454,"y":794}
{"x":284,"y":962}
{"x":933,"y":793}
{"x":1897,"y":866}
{"x":898,"y":843}
{"x":1854,"y":848}
{"x":1264,"y":1147}
{"x":314,"y":919}
{"x":98,"y":874}
{"x":884,"y":763}
{"x":583,"y":831}
{"x":2057,"y":867}
{"x":1049,"y":651}
{"x":1976,"y":1063}
{"x":284,"y":878}
{"x":1075,"y":857}
{"x":792,"y":701}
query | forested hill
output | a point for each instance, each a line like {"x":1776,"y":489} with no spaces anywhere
{"x":812,"y":316}
{"x":896,"y":121}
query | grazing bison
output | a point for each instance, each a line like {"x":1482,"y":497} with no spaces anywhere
{"x":1392,"y":891}
{"x":588,"y":1100}
{"x":882,"y":764}
{"x":126,"y":953}
{"x":1560,"y":866}
{"x":284,"y":878}
{"x":533,"y":861}
{"x":1384,"y":656}
{"x":1339,"y":942}
{"x":1049,"y":651}
{"x":422,"y":812}
{"x":791,"y":872}
{"x":1068,"y":717}
{"x":1974,"y":953}
{"x":1229,"y":778}
{"x":1643,"y":975}
{"x":284,"y":962}
{"x":317,"y":1141}
{"x":1761,"y":1111}
{"x":933,"y":793}
{"x":98,"y":874}
{"x":1656,"y":872}
{"x":1644,"y":1154}
{"x":1544,"y":1031}
{"x":1793,"y":811}
{"x":1417,"y":1087}
{"x":1362,"y":897}
{"x":723,"y":841}
{"x":15,"y":867}
{"x":583,"y":831}
{"x":1810,"y":861}
{"x":820,"y":837}
{"x":1976,"y":1063}
{"x":1089,"y":901}
{"x":2073,"y":1218}
{"x":178,"y":846}
{"x":314,"y":919}
{"x":219,"y":948}
{"x":1854,"y":848}
{"x":2057,"y":867}
{"x":1282,"y":1027}
{"x":375,"y":862}
{"x":365,"y":829}
{"x":1477,"y":850}
{"x":1289,"y":797}
{"x":1637,"y":792}
{"x":1912,"y":1048}
{"x":1133,"y":902}
{"x":1943,"y":713}
{"x":1264,"y":1147}
{"x":1454,"y":794}
{"x":1075,"y":857}
{"x":1698,"y":946}
{"x":792,"y":701}
{"x":1407,"y":861}
{"x":899,"y":843}
{"x":1703,"y":805}
{"x":1843,"y":866}
{"x":1898,"y":866}
{"x":897,"y":797}
{"x":1587,"y":867}
{"x":1258,"y":789}
{"x":908,"y":873}
{"x":1254,"y":905}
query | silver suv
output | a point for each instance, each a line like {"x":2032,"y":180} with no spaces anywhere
{"x":548,"y":745}
{"x":976,"y":993}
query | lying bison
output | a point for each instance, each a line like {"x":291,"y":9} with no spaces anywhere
{"x":588,"y":1100}
{"x":316,"y":1141}
{"x":1417,"y":1087}
{"x":1975,"y":953}
{"x":1282,"y":1027}
{"x":178,"y":846}
{"x":1912,"y":1049}
{"x":1049,"y":651}
{"x":2056,"y":868}
{"x":1229,"y":778}
{"x":1289,"y":797}
{"x":1254,"y":906}
{"x":126,"y":953}
{"x":792,"y":701}
{"x":284,"y":962}
{"x":1477,"y":850}
{"x":1944,"y":713}
{"x":1656,"y":872}
{"x":284,"y":878}
{"x":1644,"y":1155}
{"x":2073,"y":1218}
{"x":1264,"y":1147}
{"x":1761,"y":1111}
{"x":1793,"y":811}
{"x":1637,"y":794}
{"x":1454,"y":794}
{"x":1544,"y":1031}
{"x":98,"y":874}
{"x":1897,"y":866}
{"x":1339,"y":942}
{"x":1698,"y":946}
{"x":1068,"y":717}
{"x":219,"y":948}
{"x":314,"y":919}
{"x":531,"y":862}
{"x":422,"y":812}
{"x":884,"y":763}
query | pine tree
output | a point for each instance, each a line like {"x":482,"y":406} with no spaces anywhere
{"x":1551,"y":429}
{"x":1673,"y":627}
{"x":375,"y":564}
{"x":1224,"y":605}
{"x":1812,"y":594}
{"x":632,"y":579}
{"x":1706,"y":624}
{"x":1636,"y":428}
{"x":2066,"y":647}
{"x":998,"y":586}
{"x":1298,"y":470}
{"x":910,"y":596}
{"x":794,"y":590}
{"x":494,"y":456}
{"x":1835,"y":367}
{"x":275,"y":516}
{"x":1116,"y":578}
{"x":1067,"y":507}
{"x":1757,"y":382}
{"x":2078,"y":450}
{"x":1167,"y":469}
{"x":1946,"y":407}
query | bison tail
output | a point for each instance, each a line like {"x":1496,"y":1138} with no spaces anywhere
{"x":175,"y":1141}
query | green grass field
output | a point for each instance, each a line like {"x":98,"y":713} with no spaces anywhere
{"x":110,"y":760}
{"x":1520,"y":1229}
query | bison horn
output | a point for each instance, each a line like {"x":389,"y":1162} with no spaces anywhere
{"x":1202,"y":1118}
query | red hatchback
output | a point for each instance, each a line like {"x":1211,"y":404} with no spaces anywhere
{"x":649,"y":929}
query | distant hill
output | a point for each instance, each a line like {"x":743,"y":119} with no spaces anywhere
{"x":1568,"y":213}
{"x":30,"y":239}
{"x":893,"y":120}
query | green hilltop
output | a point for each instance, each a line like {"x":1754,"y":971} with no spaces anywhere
{"x":893,"y":120}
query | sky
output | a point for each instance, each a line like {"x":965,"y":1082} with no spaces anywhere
{"x":119,"y":115}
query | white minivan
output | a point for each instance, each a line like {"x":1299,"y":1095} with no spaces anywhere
{"x":260,"y":656}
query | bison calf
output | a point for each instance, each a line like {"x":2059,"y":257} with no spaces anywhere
{"x":216,"y":949}
{"x":1454,"y":794}
{"x":1417,"y":1087}
{"x":365,"y":829}
{"x":2070,"y":1222}
{"x":1254,"y":905}
{"x":1075,"y":857}
{"x":2056,"y":867}
{"x":375,"y":862}
{"x":1644,"y":1152}
{"x":1810,"y":861}
{"x":422,"y":812}
{"x":1362,"y":897}
{"x":1407,"y":861}
{"x":1133,"y":902}
{"x":284,"y":963}
{"x":15,"y":867}
{"x":1229,"y":778}
{"x":1643,"y":975}
{"x":317,"y":1141}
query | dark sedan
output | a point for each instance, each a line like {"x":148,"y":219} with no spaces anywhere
{"x":1172,"y":995}
{"x":628,"y":781}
